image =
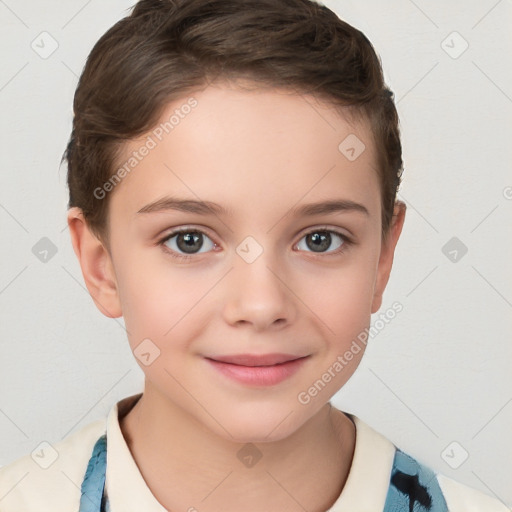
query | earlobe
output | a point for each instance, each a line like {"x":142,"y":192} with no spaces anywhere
{"x":387,"y":254}
{"x":96,"y":264}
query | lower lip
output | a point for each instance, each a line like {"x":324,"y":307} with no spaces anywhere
{"x":259,"y":375}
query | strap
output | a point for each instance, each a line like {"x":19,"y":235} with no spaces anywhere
{"x":93,"y":484}
{"x":413,"y":487}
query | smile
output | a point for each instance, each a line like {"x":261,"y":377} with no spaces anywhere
{"x":258,"y":370}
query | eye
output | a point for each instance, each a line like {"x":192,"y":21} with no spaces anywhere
{"x":187,"y":241}
{"x":320,"y":239}
{"x":184,"y":243}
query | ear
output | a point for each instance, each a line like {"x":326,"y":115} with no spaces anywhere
{"x":96,"y":264}
{"x":386,"y":254}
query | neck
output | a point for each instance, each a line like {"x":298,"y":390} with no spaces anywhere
{"x":188,"y":467}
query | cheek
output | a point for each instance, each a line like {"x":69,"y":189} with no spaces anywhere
{"x":342,"y":297}
{"x":146,"y":308}
{"x":343,"y":314}
{"x":342,"y":305}
{"x":159,"y":302}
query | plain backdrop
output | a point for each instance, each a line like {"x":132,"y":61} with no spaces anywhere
{"x":436,"y":380}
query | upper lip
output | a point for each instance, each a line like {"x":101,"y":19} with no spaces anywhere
{"x":256,"y":360}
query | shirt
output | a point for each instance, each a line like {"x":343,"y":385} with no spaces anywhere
{"x":50,"y":479}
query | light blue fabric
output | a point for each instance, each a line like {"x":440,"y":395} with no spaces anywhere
{"x":413,"y":487}
{"x":94,"y":479}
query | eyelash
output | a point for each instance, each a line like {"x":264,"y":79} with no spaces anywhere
{"x":347,"y":242}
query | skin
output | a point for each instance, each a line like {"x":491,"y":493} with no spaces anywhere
{"x":258,"y":153}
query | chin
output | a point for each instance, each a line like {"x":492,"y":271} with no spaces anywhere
{"x":258,"y":424}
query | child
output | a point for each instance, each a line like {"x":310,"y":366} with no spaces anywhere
{"x":263,"y":133}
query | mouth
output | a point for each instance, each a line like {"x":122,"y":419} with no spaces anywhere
{"x":258,"y":370}
{"x":256,"y":360}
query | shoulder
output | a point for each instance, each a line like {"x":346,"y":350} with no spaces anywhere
{"x":49,"y":479}
{"x":400,"y":482}
{"x":415,"y":482}
{"x":461,"y":498}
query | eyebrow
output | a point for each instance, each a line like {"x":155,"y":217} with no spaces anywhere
{"x":332,"y":206}
{"x":211,"y":208}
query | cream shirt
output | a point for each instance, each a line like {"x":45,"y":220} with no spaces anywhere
{"x":50,"y":479}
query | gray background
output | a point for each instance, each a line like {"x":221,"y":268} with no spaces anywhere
{"x":438,"y":373}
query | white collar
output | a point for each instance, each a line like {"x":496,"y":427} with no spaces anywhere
{"x":126,"y":488}
{"x":372,"y":463}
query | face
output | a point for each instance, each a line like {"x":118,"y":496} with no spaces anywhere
{"x":234,"y":318}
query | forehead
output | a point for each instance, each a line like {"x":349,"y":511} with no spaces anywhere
{"x":237,"y":146}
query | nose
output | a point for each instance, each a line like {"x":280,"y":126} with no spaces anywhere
{"x":257,"y":294}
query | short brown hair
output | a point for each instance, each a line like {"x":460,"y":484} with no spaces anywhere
{"x":165,"y":49}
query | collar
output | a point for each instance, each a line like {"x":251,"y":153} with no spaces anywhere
{"x":372,"y":462}
{"x":125,"y":487}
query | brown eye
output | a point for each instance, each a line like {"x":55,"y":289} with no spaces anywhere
{"x":185,"y":243}
{"x":320,"y":240}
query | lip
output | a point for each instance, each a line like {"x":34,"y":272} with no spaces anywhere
{"x":258,"y":370}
